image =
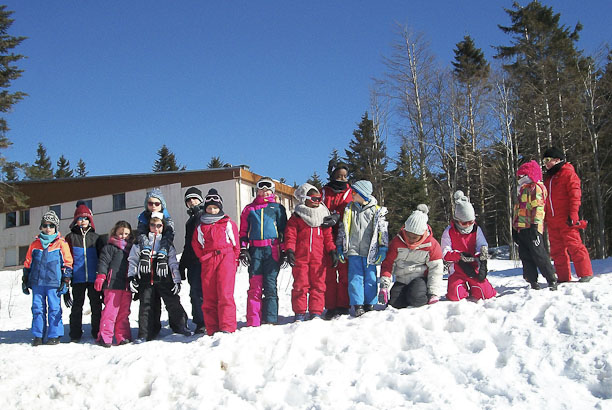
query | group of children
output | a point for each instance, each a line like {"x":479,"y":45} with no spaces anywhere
{"x":334,"y":241}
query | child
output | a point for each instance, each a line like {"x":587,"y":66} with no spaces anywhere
{"x":154,"y":202}
{"x":85,"y":245}
{"x":362,"y":241}
{"x":465,"y":249}
{"x":306,"y":244}
{"x":528,"y":226}
{"x":262,"y":225}
{"x":47,"y":270}
{"x":113,"y":279}
{"x":154,"y":284}
{"x":415,"y":258}
{"x":215,"y":243}
{"x":189,"y":260}
{"x":336,"y":196}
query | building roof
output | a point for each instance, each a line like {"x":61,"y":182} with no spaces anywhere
{"x":51,"y":191}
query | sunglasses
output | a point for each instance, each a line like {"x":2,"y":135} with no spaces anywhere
{"x":48,"y":225}
{"x":156,"y":226}
{"x":546,"y":160}
{"x":264,"y":185}
{"x":214,"y":198}
{"x":82,"y":218}
{"x":315,"y":198}
{"x":151,"y":203}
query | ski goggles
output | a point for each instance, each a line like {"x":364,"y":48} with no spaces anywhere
{"x":82,"y":218}
{"x":213,"y":198}
{"x":546,"y":160}
{"x":265,"y":185}
{"x":315,"y":198}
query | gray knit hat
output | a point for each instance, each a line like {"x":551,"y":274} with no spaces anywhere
{"x":464,"y":211}
{"x":301,"y":193}
{"x":50,"y":217}
{"x":363,"y":188}
{"x":417,"y":221}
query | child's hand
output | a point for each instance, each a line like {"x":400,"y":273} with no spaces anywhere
{"x":68,"y":299}
{"x":24,"y":283}
{"x":99,"y":282}
{"x":467,"y":257}
{"x":245,"y":257}
{"x":433,"y":299}
{"x":385,"y":282}
{"x":162,"y":265}
{"x":144,"y":265}
{"x":290,"y":257}
{"x":176,"y":289}
{"x":380,"y":255}
{"x":134,"y":284}
{"x":334,"y":258}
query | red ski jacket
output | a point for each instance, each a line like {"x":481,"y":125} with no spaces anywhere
{"x":308,"y":243}
{"x":564,"y":196}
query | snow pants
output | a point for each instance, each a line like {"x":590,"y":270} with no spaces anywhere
{"x":218,"y":280}
{"x":115,"y":320}
{"x":194,"y":277}
{"x":534,"y":256}
{"x":263,"y":272}
{"x":566,"y":243}
{"x":403,"y":295}
{"x":461,"y":286}
{"x":336,"y":284}
{"x":308,"y":293}
{"x":148,"y":313}
{"x":46,"y":312}
{"x":76,"y":313}
{"x":362,"y":286}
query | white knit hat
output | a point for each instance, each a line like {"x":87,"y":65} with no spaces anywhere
{"x":464,"y":211}
{"x":417,"y":221}
{"x":302,"y":192}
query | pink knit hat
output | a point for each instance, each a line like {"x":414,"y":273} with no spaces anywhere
{"x":531,"y":169}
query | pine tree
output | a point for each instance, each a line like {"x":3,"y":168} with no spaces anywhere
{"x":166,"y":161}
{"x":42,"y":168}
{"x":81,"y":172}
{"x":63,"y":168}
{"x":216,"y":162}
{"x":315,"y":180}
{"x":10,"y":171}
{"x":10,"y":197}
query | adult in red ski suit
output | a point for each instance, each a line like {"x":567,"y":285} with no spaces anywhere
{"x":562,"y":220}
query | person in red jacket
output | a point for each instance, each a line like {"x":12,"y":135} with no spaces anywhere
{"x":562,"y":220}
{"x":336,"y":195}
{"x":306,"y":244}
{"x":217,"y":246}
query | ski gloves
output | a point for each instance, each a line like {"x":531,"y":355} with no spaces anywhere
{"x":245,"y":257}
{"x":468,"y":263}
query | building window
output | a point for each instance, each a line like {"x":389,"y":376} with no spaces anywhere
{"x":11,"y":219}
{"x":89,"y":204}
{"x":119,"y":202}
{"x":10,"y":256}
{"x":24,"y":217}
{"x":23,"y":251}
{"x":57,"y":209}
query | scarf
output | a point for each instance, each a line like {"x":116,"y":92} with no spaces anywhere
{"x":338,"y":186}
{"x":264,"y":199}
{"x":209,"y":219}
{"x":312,"y":216}
{"x":119,"y":243}
{"x":414,"y":245}
{"x":46,"y":240}
{"x":466,"y":230}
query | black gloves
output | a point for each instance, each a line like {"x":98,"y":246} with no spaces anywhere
{"x":534,"y":234}
{"x":144,"y":265}
{"x":134,"y":284}
{"x":334,"y":258}
{"x":468,"y":268}
{"x":63,"y":287}
{"x":162,"y":265}
{"x":290,"y":255}
{"x":24,"y":283}
{"x":245,"y":257}
{"x":330,"y":220}
{"x":482,"y":270}
{"x":68,"y":299}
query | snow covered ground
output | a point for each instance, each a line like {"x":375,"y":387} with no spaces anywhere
{"x":524,"y":349}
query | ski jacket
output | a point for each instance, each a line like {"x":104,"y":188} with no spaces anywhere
{"x":336,"y":201}
{"x":113,"y":263}
{"x":564,"y":195}
{"x":153,"y":241}
{"x":308,"y":243}
{"x":409,"y":262}
{"x":262,"y":223}
{"x":216,"y":238}
{"x":529,"y":210}
{"x":454,"y":242}
{"x":143,"y":229}
{"x":48,"y":266}
{"x":85,"y":246}
{"x":188,"y":257}
{"x":363,"y":230}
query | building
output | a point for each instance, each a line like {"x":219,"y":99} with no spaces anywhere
{"x":115,"y":197}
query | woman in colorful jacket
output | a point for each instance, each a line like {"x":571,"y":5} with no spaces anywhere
{"x":415,"y":259}
{"x":562,"y":220}
{"x":528,"y":226}
{"x":47,"y":270}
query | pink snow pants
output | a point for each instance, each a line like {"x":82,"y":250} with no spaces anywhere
{"x":565,"y":242}
{"x":115,"y":316}
{"x":218,"y":280}
{"x":460,"y":286}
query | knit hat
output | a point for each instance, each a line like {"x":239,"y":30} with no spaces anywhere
{"x":531,"y":169}
{"x":158,"y":215}
{"x":337,"y":166}
{"x":157,"y":194}
{"x":50,"y":217}
{"x":82,"y":211}
{"x":554,"y":152}
{"x":417,"y":221}
{"x":464,"y":211}
{"x":213,"y":198}
{"x":266,"y":183}
{"x":363,"y":188}
{"x":301,"y":193}
{"x":193,"y":192}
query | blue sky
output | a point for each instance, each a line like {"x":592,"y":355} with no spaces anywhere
{"x":276,"y":85}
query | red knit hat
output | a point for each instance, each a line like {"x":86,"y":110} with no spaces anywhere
{"x":83,"y":211}
{"x":531,"y":169}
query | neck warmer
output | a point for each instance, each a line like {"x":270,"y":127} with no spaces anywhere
{"x":338,"y":186}
{"x":208,"y":219}
{"x":524,"y":181}
{"x":45,"y":239}
{"x":414,"y":245}
{"x":264,"y":199}
{"x":312,"y":216}
{"x":466,"y":230}
{"x":119,"y":243}
{"x":555,"y":169}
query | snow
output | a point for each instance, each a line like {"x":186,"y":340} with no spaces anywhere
{"x":523,"y":349}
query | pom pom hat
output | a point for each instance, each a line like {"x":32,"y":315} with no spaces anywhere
{"x":417,"y":221}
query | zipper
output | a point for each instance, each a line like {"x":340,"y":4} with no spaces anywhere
{"x":262,"y":224}
{"x":151,"y":259}
{"x":108,"y":278}
{"x":311,"y":229}
{"x":550,"y":195}
{"x":85,"y":255}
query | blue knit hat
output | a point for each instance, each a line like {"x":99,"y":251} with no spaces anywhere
{"x":363,"y":188}
{"x":155,"y":193}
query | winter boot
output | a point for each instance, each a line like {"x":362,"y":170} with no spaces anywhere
{"x":585,"y":279}
{"x":37,"y":341}
{"x":53,"y":341}
{"x":535,"y":286}
{"x":552,"y":285}
{"x":330,"y":314}
{"x":315,"y":316}
{"x":368,"y":308}
{"x":359,"y":311}
{"x":342,"y":311}
{"x":300,"y":317}
{"x":101,"y":343}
